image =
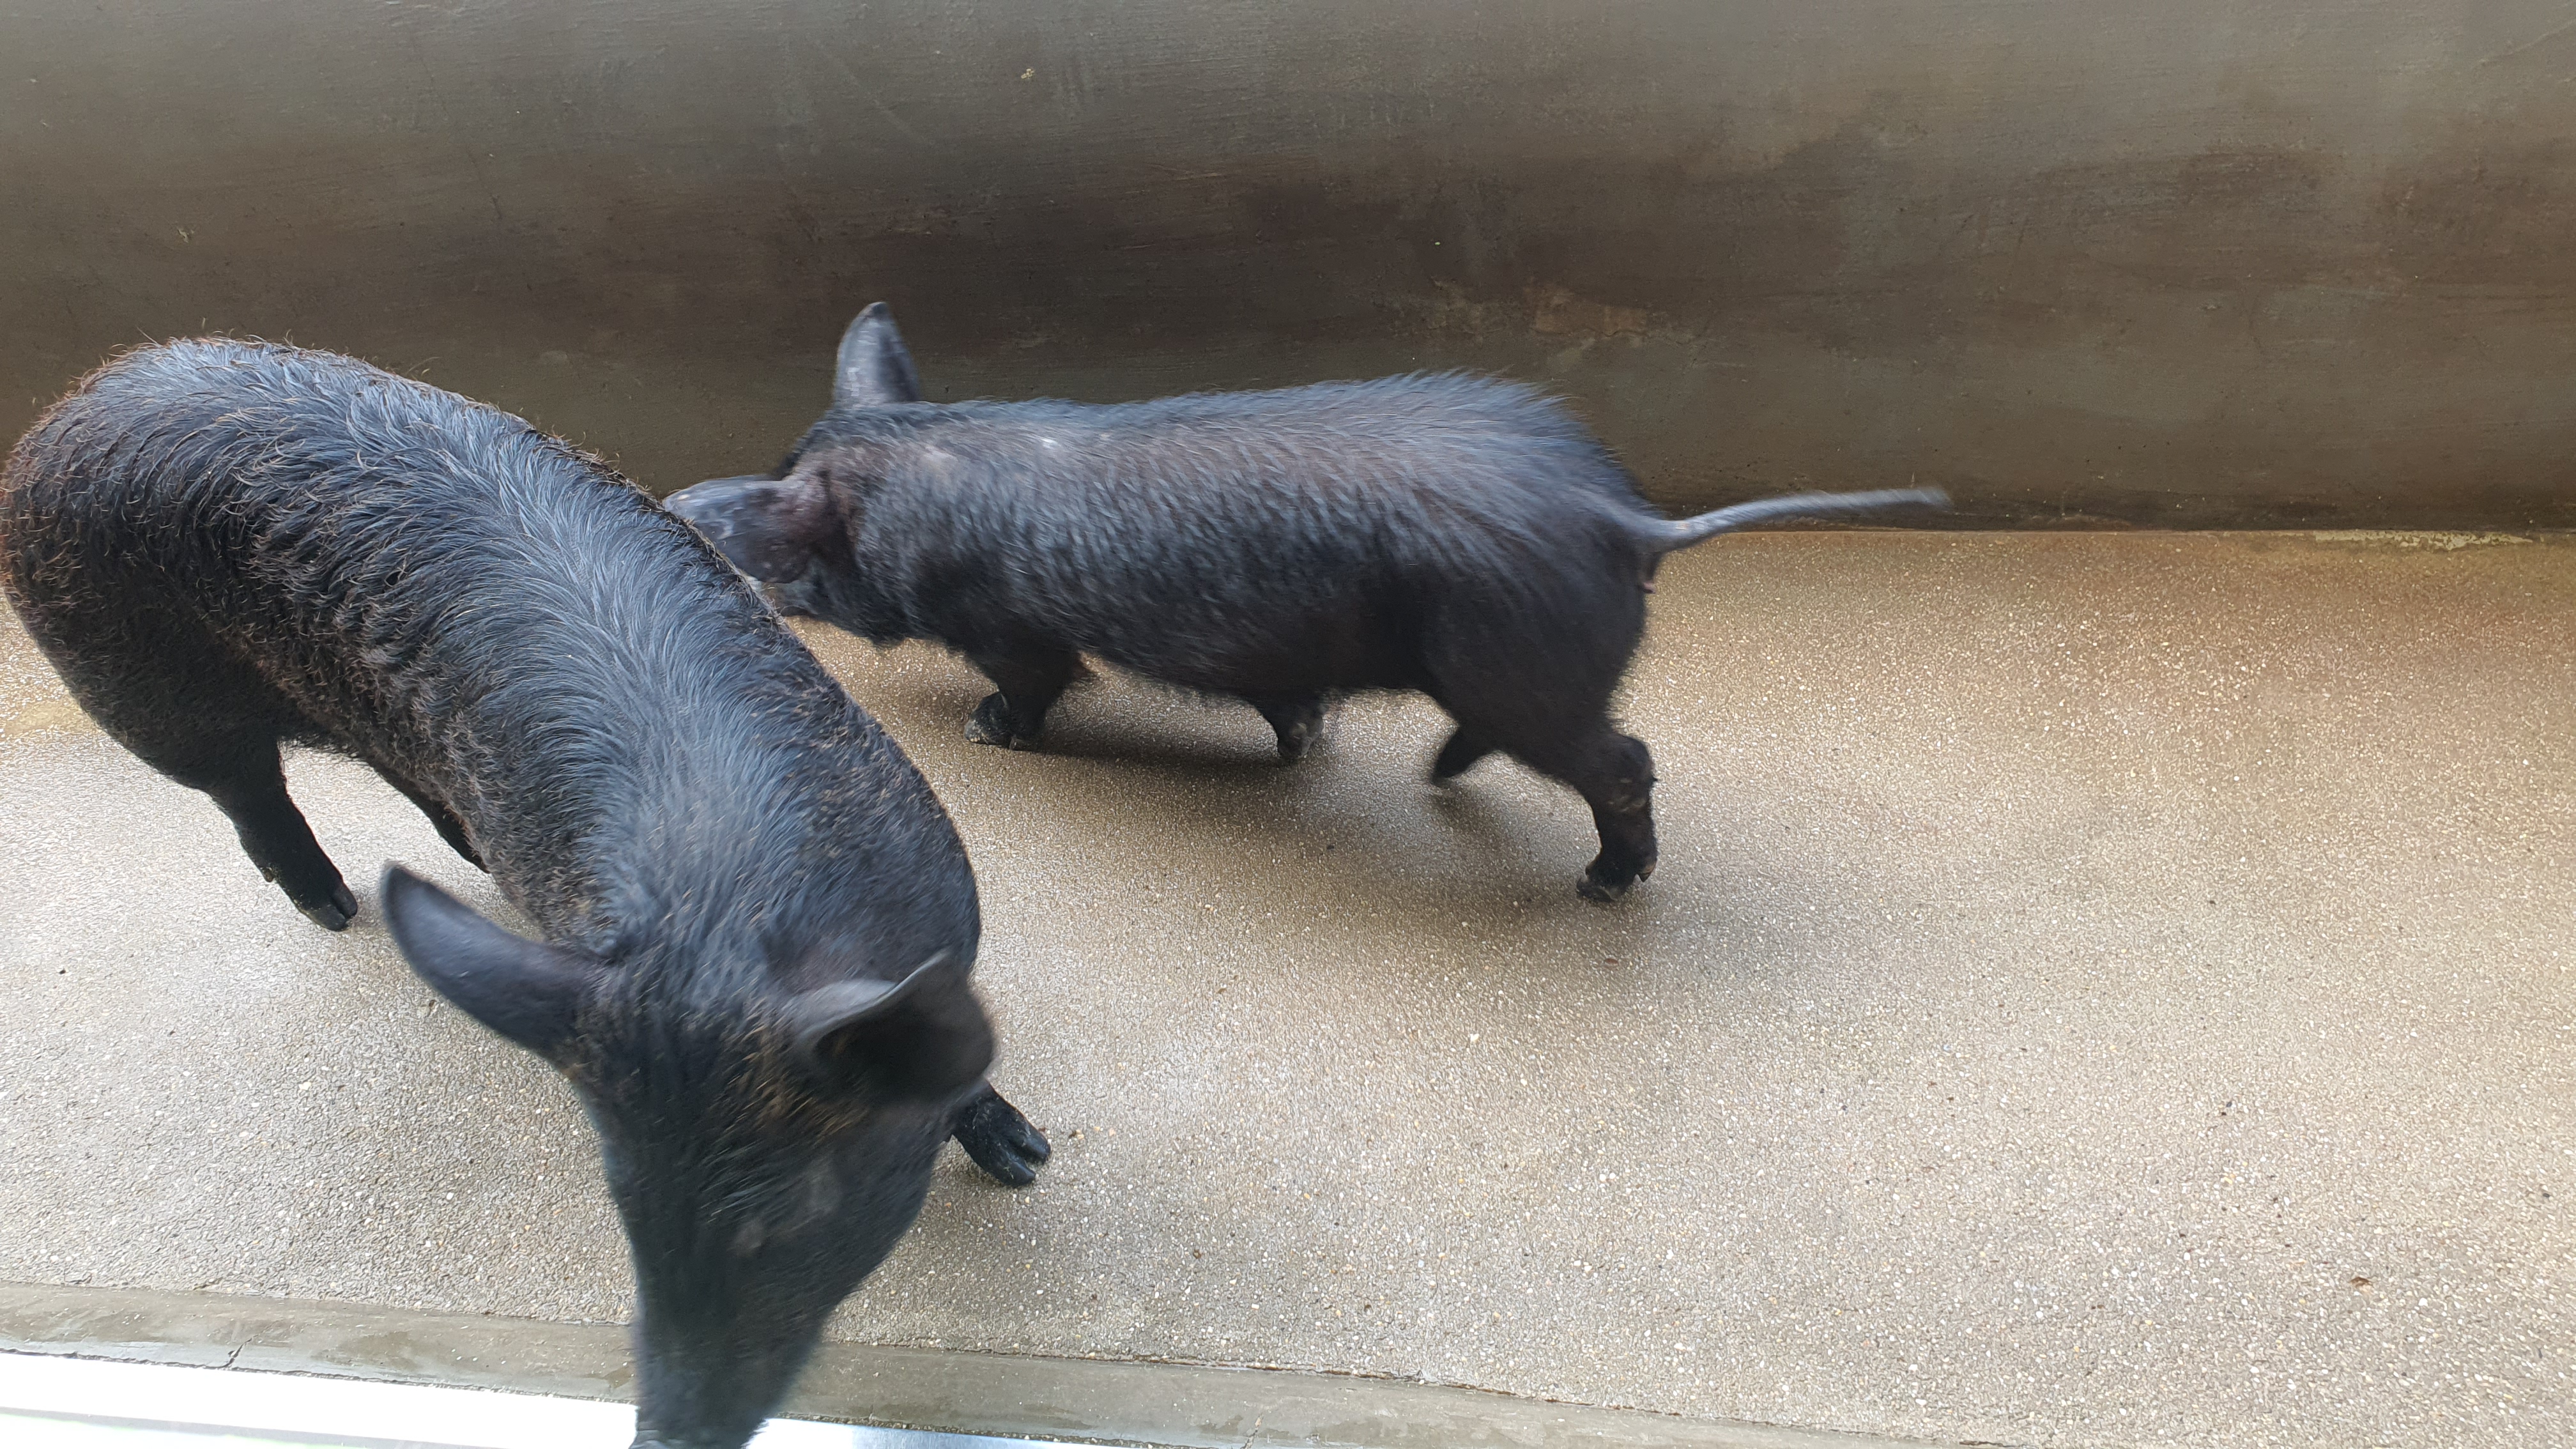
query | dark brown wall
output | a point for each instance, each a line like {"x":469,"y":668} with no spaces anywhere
{"x":2205,"y":261}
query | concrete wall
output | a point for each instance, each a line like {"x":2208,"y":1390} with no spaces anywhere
{"x":2197,"y":262}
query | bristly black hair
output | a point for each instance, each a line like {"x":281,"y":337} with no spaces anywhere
{"x":450,"y":594}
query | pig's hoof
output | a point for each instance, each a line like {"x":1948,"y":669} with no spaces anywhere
{"x":334,"y":914}
{"x":1297,"y":721}
{"x":1457,"y":757}
{"x":1295,"y":741}
{"x":1001,"y":1141}
{"x":992,"y":724}
{"x":1601,"y":887}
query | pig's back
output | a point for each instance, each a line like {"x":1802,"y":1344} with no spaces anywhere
{"x":446,"y":592}
{"x":1215,"y":539}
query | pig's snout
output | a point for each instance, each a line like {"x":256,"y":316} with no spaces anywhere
{"x":708,"y":1399}
{"x":706,"y":1375}
{"x":710,"y":507}
{"x":767,"y":527}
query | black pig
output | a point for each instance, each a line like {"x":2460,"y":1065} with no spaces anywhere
{"x":1458,"y":535}
{"x":758,"y":922}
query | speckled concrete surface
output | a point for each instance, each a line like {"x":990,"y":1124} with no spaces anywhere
{"x":2099,"y":990}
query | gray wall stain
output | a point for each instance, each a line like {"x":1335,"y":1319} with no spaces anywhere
{"x":2231,"y":261}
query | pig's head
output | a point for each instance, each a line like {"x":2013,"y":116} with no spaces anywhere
{"x":788,"y":528}
{"x":765,"y":1148}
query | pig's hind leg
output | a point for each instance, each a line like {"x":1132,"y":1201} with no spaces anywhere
{"x":1543,"y":697}
{"x":1612,"y":771}
{"x":1001,"y":1141}
{"x":442,"y":819}
{"x":1459,"y":755}
{"x":1616,"y":777}
{"x":1029,"y":678}
{"x":242,"y":774}
{"x":188,"y":707}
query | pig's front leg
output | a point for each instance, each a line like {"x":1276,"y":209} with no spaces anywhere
{"x":1001,"y":1141}
{"x":1030,"y":677}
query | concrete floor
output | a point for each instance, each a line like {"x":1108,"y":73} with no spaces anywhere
{"x":2099,"y":990}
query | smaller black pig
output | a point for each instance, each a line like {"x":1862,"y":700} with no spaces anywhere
{"x":758,"y":922}
{"x":1457,"y":535}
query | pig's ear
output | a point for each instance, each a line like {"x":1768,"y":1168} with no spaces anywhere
{"x":924,"y":1037}
{"x":875,"y":369}
{"x":770,"y":528}
{"x":525,"y":990}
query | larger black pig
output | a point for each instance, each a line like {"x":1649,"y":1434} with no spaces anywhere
{"x":1457,"y":535}
{"x":758,"y":922}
